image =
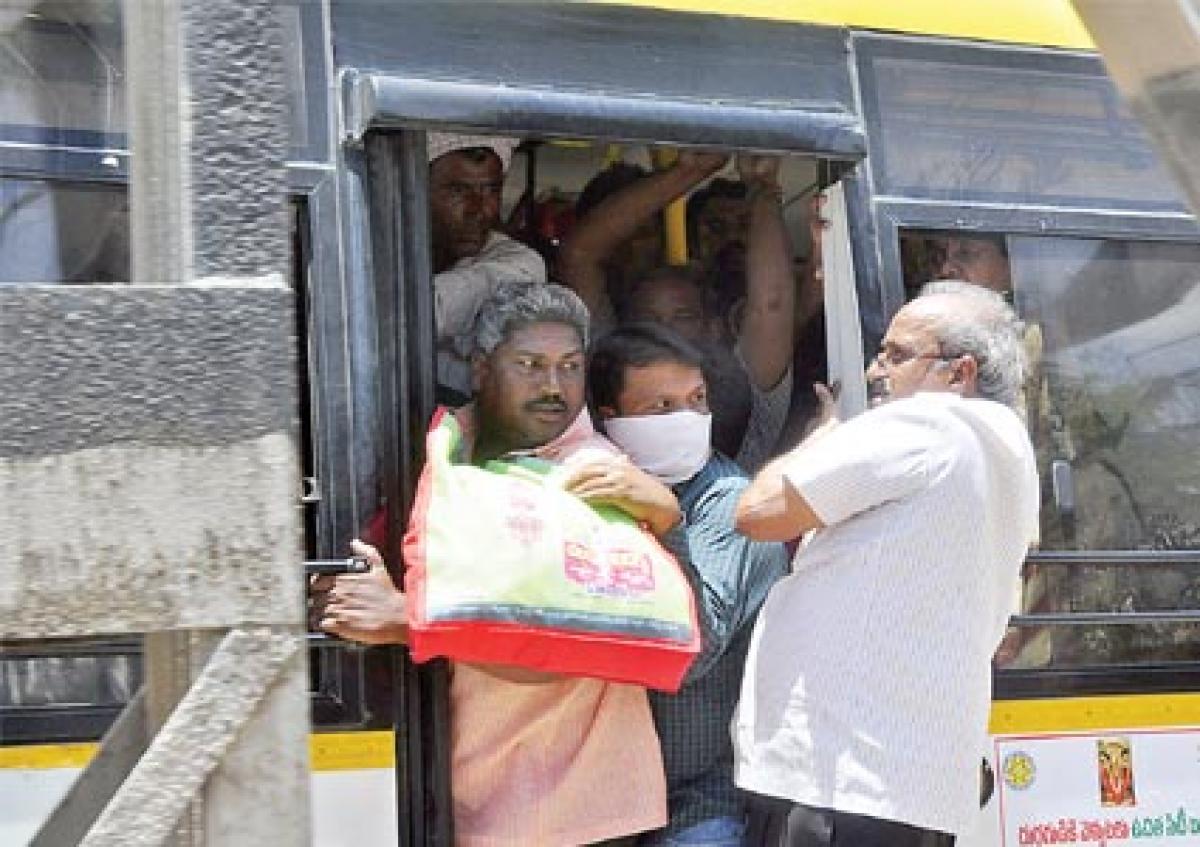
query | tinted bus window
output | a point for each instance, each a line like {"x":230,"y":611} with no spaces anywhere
{"x":1113,"y":407}
{"x":956,"y":124}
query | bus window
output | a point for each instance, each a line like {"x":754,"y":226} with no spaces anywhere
{"x":63,"y":232}
{"x":1122,"y":358}
{"x":63,"y":66}
{"x":957,"y":125}
{"x":67,"y":689}
{"x":62,"y":111}
{"x":1113,"y":406}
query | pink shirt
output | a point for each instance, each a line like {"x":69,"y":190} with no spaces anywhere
{"x":565,"y":762}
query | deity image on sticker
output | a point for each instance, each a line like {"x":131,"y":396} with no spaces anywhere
{"x":1114,"y":757}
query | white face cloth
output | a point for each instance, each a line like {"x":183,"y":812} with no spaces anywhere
{"x":672,"y":447}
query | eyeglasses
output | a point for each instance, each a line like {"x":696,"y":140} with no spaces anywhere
{"x":890,"y":356}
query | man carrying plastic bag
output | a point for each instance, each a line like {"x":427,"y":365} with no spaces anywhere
{"x":536,"y":759}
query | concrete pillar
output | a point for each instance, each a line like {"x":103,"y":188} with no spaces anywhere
{"x":148,"y":463}
{"x":208,"y":208}
{"x":148,"y":468}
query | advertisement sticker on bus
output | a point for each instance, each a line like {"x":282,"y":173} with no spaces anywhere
{"x":1101,"y":788}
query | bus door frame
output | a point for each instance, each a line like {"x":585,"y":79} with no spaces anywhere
{"x":386,"y":169}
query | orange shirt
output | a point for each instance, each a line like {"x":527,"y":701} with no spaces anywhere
{"x":553,"y":764}
{"x":556,"y":763}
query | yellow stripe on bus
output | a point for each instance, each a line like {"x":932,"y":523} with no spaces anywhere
{"x":46,"y":756}
{"x":1080,"y":714}
{"x":1051,"y":23}
{"x":328,"y":751}
{"x":352,"y":751}
{"x":348,"y":751}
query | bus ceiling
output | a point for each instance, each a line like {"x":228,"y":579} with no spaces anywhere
{"x":1152,"y":53}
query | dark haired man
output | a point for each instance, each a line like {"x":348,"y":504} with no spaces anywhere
{"x":470,"y":255}
{"x":750,"y":357}
{"x":718,"y":218}
{"x":978,"y":259}
{"x":648,"y":387}
{"x":618,"y":236}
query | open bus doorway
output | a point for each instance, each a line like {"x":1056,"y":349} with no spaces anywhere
{"x":541,"y":199}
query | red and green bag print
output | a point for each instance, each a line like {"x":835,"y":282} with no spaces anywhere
{"x":505,"y":567}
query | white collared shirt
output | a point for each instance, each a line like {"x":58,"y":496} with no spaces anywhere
{"x":868,"y":684}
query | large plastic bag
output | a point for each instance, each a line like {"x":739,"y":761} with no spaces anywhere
{"x":505,"y":567}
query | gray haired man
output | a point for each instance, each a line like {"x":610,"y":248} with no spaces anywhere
{"x":535,"y":758}
{"x":867,"y":688}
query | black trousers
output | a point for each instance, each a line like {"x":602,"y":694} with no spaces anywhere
{"x":782,"y":823}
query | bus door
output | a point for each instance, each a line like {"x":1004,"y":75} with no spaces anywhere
{"x":582,"y":91}
{"x":1020,"y":171}
{"x":564,"y":167}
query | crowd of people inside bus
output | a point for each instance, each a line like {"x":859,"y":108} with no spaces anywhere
{"x":852,"y":583}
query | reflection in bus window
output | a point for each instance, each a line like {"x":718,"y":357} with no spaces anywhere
{"x":1122,"y":370}
{"x":63,"y":232}
{"x":95,"y":676}
{"x":1113,"y":405}
{"x":63,"y":67}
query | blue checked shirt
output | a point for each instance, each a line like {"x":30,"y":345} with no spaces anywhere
{"x":731,"y":576}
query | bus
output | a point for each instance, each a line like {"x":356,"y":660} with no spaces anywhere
{"x":954,"y":137}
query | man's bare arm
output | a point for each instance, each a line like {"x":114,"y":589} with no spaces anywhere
{"x":766,"y":337}
{"x":771,"y":509}
{"x":618,"y":218}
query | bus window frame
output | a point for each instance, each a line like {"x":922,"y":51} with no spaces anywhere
{"x":399,"y":286}
{"x":896,"y":216}
{"x":1059,"y":63}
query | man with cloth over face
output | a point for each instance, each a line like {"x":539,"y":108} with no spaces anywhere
{"x":649,"y":389}
{"x":536,"y":758}
{"x":868,"y":683}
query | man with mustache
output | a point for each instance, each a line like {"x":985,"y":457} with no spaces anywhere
{"x":470,"y":255}
{"x":868,"y":682}
{"x":536,"y":758}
